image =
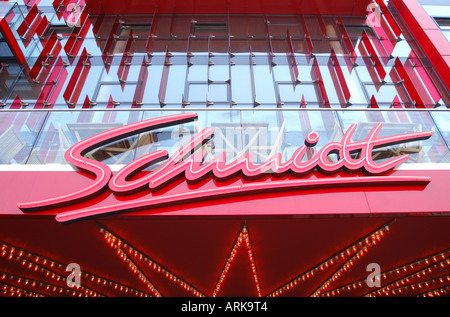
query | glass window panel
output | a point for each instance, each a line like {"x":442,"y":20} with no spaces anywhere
{"x":265,"y":92}
{"x":120,"y":93}
{"x":356,"y":93}
{"x":198,"y":72}
{"x":18,"y":132}
{"x":198,"y":92}
{"x":299,"y":46}
{"x":219,"y":72}
{"x":385,"y":93}
{"x":282,"y":73}
{"x":437,"y":10}
{"x":167,"y":138}
{"x":295,"y":125}
{"x":64,"y":129}
{"x":308,"y":91}
{"x":290,"y":93}
{"x":395,"y":123}
{"x":241,"y":88}
{"x":152,"y":84}
{"x":176,"y":84}
{"x":447,"y":34}
{"x":442,"y":118}
{"x":218,"y":92}
{"x":402,"y":49}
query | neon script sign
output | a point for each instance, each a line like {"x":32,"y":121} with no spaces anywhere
{"x":187,"y":162}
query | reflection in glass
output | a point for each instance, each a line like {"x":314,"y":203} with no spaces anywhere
{"x":43,"y":137}
{"x":395,"y":123}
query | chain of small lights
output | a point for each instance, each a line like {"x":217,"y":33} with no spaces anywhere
{"x":347,"y":264}
{"x":418,"y":286}
{"x":400,"y":283}
{"x":39,"y":263}
{"x":26,"y":260}
{"x":397,"y":270}
{"x":15,"y":291}
{"x":242,"y":237}
{"x":437,"y":292}
{"x":126,"y":251}
{"x":358,"y":249}
{"x":27,"y":282}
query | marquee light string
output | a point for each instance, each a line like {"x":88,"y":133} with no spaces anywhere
{"x":126,"y":252}
{"x":15,"y":285}
{"x":242,"y":237}
{"x":39,"y":287}
{"x":391,"y":287}
{"x":358,"y":249}
{"x":14,"y":291}
{"x":41,"y":264}
{"x":404,"y":268}
{"x":436,"y":292}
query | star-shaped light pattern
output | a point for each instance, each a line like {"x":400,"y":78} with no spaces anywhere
{"x":427,"y":276}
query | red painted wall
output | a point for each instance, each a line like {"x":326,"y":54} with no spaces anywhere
{"x":359,"y":199}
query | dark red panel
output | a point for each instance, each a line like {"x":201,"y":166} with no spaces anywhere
{"x":344,"y":7}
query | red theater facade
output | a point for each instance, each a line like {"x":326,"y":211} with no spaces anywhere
{"x":224,"y":148}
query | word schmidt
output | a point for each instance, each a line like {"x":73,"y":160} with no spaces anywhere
{"x":188,"y":160}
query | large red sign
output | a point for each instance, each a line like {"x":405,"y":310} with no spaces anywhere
{"x":187,"y":162}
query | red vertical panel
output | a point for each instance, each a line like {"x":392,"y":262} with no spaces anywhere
{"x":42,"y":27}
{"x":393,"y":25}
{"x":317,"y":77}
{"x":140,"y":86}
{"x":109,"y":45}
{"x":308,"y":41}
{"x":293,"y":69}
{"x":338,"y":78}
{"x":43,"y":56}
{"x":23,"y":28}
{"x":57,"y":87}
{"x":369,"y":65}
{"x":11,"y":40}
{"x":425,"y":78}
{"x":151,"y":35}
{"x":77,"y":80}
{"x":109,"y":116}
{"x":373,"y":102}
{"x":164,"y":79}
{"x":269,"y":41}
{"x":80,"y":36}
{"x":252,"y":79}
{"x":76,"y":38}
{"x":50,"y":91}
{"x":323,"y":27}
{"x":124,"y":68}
{"x":16,"y":104}
{"x":396,"y":79}
{"x":348,"y":43}
{"x":424,"y":99}
{"x":373,"y":56}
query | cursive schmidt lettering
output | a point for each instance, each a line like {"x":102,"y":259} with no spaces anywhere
{"x":187,"y":162}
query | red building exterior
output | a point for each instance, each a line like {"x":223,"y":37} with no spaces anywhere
{"x":224,"y":148}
